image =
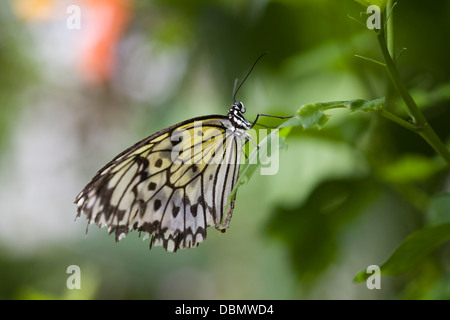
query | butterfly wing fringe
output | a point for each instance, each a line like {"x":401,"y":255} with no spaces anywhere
{"x":170,"y":239}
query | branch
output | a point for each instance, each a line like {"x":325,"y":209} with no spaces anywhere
{"x":421,"y":125}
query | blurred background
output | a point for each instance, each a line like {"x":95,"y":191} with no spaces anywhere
{"x":75,"y":95}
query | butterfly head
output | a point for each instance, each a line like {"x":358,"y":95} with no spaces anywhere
{"x":237,"y":110}
{"x":238,"y":106}
{"x":236,"y":116}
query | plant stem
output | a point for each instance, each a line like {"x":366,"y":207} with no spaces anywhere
{"x":390,"y":29}
{"x":421,"y":125}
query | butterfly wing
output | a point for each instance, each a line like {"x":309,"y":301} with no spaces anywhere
{"x":171,"y":185}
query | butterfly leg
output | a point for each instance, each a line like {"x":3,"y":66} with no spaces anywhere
{"x":267,"y":115}
{"x":247,"y":136}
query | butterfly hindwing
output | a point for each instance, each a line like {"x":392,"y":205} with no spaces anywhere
{"x":171,"y":185}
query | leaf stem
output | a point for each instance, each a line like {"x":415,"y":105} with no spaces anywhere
{"x":420,"y":123}
{"x":388,"y":115}
{"x":371,"y":60}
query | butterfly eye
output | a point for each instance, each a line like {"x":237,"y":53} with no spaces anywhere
{"x":240,"y":106}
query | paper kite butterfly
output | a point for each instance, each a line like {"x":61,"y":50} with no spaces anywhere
{"x":173,"y":184}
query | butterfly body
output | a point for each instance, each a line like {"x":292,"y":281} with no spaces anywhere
{"x":173,"y":184}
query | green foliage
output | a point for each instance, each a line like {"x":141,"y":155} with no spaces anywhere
{"x":310,"y":254}
{"x":314,"y":228}
{"x":309,"y":220}
{"x":415,"y":247}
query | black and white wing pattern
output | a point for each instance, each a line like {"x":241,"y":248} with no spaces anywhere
{"x":173,"y":184}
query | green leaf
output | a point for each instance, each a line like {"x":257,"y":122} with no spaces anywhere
{"x":415,"y":247}
{"x":310,"y":115}
{"x":364,"y":105}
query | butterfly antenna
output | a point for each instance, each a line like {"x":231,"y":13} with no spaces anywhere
{"x":235,"y":81}
{"x":234,"y":90}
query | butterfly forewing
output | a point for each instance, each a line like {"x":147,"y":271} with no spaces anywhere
{"x":171,"y":185}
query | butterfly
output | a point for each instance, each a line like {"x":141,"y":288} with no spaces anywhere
{"x":173,"y":184}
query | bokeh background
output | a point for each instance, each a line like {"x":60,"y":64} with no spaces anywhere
{"x":344,"y":198}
